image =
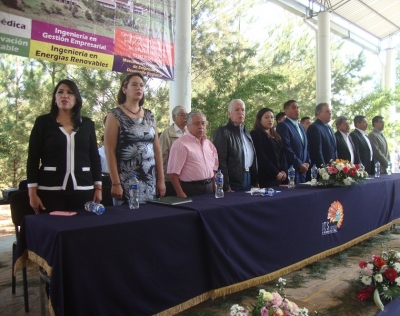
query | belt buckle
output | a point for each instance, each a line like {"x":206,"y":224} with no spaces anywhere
{"x":207,"y":181}
{"x":247,"y":169}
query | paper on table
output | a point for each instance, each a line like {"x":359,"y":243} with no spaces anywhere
{"x":63,"y":213}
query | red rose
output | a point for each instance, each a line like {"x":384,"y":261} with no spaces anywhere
{"x":365,"y":293}
{"x":362,"y":264}
{"x":357,"y":166}
{"x":345,"y":169}
{"x":391,"y":274}
{"x":352,"y":172}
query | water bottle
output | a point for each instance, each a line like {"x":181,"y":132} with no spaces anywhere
{"x":269,"y":192}
{"x":389,"y":168}
{"x":377,"y":169}
{"x":133,"y":192}
{"x":291,"y":176}
{"x":219,"y":182}
{"x":96,"y":208}
{"x":314,"y":175}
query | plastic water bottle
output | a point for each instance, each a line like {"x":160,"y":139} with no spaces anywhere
{"x":269,"y":192}
{"x":389,"y":168}
{"x":94,"y":207}
{"x":133,"y":192}
{"x":314,"y":175}
{"x":219,"y":182}
{"x":291,"y":176}
{"x":377,"y":169}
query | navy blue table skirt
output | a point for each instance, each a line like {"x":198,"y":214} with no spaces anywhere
{"x":164,"y":259}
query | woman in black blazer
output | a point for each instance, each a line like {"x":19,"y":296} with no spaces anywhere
{"x":269,"y":150}
{"x":63,"y":168}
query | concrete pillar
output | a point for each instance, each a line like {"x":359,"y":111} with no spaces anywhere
{"x":389,"y":71}
{"x":323,"y":59}
{"x":180,"y":88}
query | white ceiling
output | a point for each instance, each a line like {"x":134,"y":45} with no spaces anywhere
{"x":381,"y":18}
{"x":371,"y":24}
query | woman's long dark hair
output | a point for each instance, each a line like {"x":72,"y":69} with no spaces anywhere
{"x":121,"y":97}
{"x":257,"y":124}
{"x":76,"y":110}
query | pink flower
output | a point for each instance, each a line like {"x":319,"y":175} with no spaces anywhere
{"x":264,"y":311}
{"x":277,"y":299}
{"x":368,"y":272}
{"x":332,"y":170}
{"x":295,"y":308}
{"x":345,"y":169}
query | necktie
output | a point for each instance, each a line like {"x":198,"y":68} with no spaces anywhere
{"x":331,"y":134}
{"x":300,"y":133}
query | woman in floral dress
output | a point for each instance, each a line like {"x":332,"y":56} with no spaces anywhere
{"x":131,"y":144}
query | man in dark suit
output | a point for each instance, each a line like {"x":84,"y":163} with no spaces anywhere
{"x":362,"y":144}
{"x":345,"y":146}
{"x":321,"y":140}
{"x":294,"y":139}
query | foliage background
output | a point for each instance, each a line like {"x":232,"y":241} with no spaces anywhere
{"x":227,"y":63}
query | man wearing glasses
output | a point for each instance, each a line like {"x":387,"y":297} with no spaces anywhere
{"x":378,"y":143}
{"x":193,"y":159}
{"x":236,"y":153}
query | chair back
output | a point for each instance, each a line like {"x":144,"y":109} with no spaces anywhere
{"x":19,"y":206}
{"x":23,"y":185}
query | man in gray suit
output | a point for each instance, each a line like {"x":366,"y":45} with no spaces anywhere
{"x":378,"y":143}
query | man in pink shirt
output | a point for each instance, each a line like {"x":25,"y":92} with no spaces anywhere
{"x":193,"y":159}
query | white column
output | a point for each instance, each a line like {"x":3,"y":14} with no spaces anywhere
{"x":389,"y":73}
{"x":323,"y":59}
{"x":180,"y":88}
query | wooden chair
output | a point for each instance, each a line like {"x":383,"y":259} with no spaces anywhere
{"x":19,"y":205}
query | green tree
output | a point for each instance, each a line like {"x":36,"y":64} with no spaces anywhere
{"x":224,"y":63}
{"x":22,"y":96}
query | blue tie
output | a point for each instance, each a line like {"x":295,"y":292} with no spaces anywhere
{"x":300,"y":133}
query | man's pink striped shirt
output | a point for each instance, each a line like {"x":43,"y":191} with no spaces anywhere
{"x":191,"y":159}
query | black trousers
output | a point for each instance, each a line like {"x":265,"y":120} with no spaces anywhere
{"x":61,"y":200}
{"x":192,"y":189}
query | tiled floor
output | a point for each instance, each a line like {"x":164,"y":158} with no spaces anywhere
{"x":13,"y":304}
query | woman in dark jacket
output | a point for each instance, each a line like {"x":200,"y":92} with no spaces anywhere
{"x":63,"y":168}
{"x":269,"y":150}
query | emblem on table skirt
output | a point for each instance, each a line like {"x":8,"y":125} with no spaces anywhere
{"x":336,"y":214}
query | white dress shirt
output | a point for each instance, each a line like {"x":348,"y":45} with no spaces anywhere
{"x":349,"y":145}
{"x":247,"y":149}
{"x":367,"y":140}
{"x":103,"y":159}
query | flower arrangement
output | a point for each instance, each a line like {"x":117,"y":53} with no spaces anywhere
{"x":341,"y":172}
{"x":271,"y":304}
{"x":381,"y":277}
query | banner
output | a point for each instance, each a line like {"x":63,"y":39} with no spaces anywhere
{"x":117,"y":35}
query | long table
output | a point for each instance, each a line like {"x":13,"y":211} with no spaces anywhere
{"x":163,"y":259}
